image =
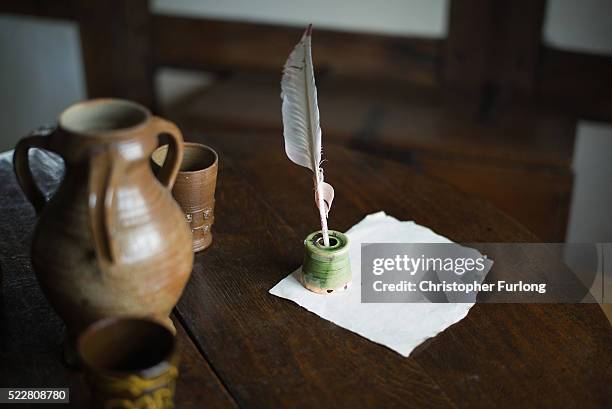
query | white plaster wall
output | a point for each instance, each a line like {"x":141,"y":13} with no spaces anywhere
{"x":419,"y":17}
{"x":40,"y":73}
{"x":591,"y":211}
{"x":579,"y":25}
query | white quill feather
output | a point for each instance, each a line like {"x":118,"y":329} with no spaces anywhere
{"x":301,"y":127}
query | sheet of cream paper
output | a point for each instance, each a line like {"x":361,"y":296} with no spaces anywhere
{"x":398,"y":326}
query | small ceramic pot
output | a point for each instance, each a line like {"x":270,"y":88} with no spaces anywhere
{"x":129,"y":363}
{"x":326,"y":269}
{"x":194,"y":189}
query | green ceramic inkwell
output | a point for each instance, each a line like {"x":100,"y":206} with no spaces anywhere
{"x":326,"y":268}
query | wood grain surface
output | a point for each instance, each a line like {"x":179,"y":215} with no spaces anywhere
{"x":243,"y":347}
{"x":31,"y":334}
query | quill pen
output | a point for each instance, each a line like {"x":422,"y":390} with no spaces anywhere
{"x":301,"y":127}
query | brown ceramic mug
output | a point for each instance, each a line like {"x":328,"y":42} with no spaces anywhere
{"x":194,"y":189}
{"x":129,"y":362}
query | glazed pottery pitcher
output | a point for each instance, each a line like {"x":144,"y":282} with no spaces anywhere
{"x":111,"y":241}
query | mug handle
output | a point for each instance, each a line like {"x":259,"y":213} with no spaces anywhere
{"x":38,"y":138}
{"x":174,"y":157}
{"x":105,"y":166}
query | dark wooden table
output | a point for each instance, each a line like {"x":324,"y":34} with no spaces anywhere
{"x":243,"y":347}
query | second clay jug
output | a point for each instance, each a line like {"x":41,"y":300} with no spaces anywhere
{"x":111,"y":241}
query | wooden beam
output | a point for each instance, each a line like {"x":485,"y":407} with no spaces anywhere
{"x":465,"y":63}
{"x":493,"y":44}
{"x":116,"y":44}
{"x":62,"y":9}
{"x":513,"y":61}
{"x":217,"y":45}
{"x":578,"y":83}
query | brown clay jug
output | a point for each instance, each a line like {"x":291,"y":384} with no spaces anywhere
{"x":111,"y":241}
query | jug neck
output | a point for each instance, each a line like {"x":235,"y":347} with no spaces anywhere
{"x":132,"y":146}
{"x":117,"y":126}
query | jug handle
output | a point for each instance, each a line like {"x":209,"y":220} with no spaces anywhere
{"x":104,"y":168}
{"x":38,"y":138}
{"x":172,"y":163}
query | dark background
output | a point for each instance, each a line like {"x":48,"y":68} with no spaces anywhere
{"x":509,"y":101}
